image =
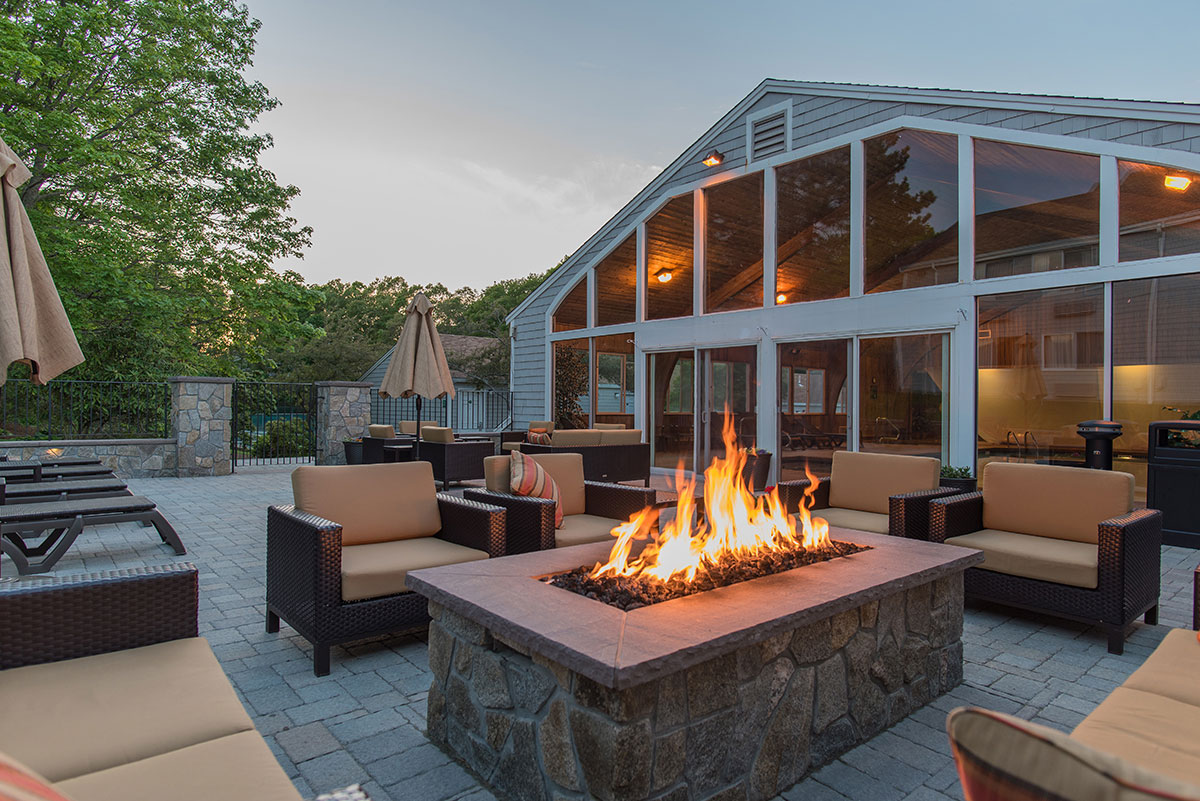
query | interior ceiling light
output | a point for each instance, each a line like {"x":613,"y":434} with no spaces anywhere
{"x":664,"y":276}
{"x":1176,"y":182}
{"x":781,"y":298}
{"x":713,"y":158}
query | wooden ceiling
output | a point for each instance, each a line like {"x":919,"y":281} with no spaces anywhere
{"x":572,"y":312}
{"x":813,"y":223}
{"x":733,"y":248}
{"x":616,"y":284}
{"x":669,"y":249}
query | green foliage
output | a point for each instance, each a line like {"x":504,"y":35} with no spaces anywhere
{"x":159,"y":224}
{"x":957,"y":472}
{"x":283,"y":438}
{"x":571,"y":382}
{"x":1183,"y":439}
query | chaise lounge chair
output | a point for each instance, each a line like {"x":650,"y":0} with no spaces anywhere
{"x":43,"y":491}
{"x":26,"y":471}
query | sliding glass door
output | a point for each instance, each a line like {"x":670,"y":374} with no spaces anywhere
{"x":814,"y":379}
{"x":730,"y":382}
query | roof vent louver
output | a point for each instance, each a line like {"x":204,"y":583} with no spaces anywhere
{"x":768,"y":136}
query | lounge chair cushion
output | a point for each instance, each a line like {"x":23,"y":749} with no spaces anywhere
{"x":1030,"y":556}
{"x":565,"y":468}
{"x":580,"y":529}
{"x":58,"y":717}
{"x":1001,"y":756}
{"x":527,"y":477}
{"x":410,"y":427}
{"x":381,"y":431}
{"x":1148,"y":729}
{"x":624,"y":436}
{"x":510,"y":446}
{"x":864,"y":481}
{"x":372,"y":502}
{"x":609,"y":426}
{"x":437,"y":434}
{"x":237,"y":766}
{"x":1065,"y":503}
{"x":853,"y":518}
{"x":575,"y":437}
{"x":377,"y":569}
{"x":1170,"y":671}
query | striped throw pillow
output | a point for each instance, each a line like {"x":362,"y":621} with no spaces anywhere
{"x":538,"y":438}
{"x":526,"y":477}
{"x":19,"y":783}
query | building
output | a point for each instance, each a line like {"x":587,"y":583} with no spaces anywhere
{"x":961,"y":274}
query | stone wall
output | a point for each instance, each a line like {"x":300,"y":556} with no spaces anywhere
{"x":343,"y":412}
{"x":743,"y":725}
{"x":202,"y":414}
{"x":129,"y":458}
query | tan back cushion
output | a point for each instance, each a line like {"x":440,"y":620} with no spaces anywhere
{"x":1066,"y":503}
{"x":609,"y":426}
{"x":372,"y":502}
{"x":437,"y":434}
{"x":380,"y":431}
{"x":864,"y":481}
{"x":575,"y":437}
{"x":623,"y":436}
{"x":410,"y":426}
{"x":546,"y":424}
{"x":565,"y":468}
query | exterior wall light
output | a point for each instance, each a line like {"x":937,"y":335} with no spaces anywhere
{"x":781,"y":298}
{"x":1177,"y":182}
{"x":713,"y":158}
{"x":664,"y":276}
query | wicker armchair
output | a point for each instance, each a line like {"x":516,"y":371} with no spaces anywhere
{"x":590,"y":509}
{"x":878,"y":492}
{"x":335,"y":582}
{"x":453,"y":460}
{"x":377,"y":437}
{"x":1061,"y":540}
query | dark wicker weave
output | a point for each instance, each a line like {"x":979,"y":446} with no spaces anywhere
{"x":908,"y":514}
{"x":74,"y":616}
{"x":62,"y":490}
{"x":1128,"y":575}
{"x":531,"y":520}
{"x":605,"y":462}
{"x":304,"y":576}
{"x":1196,"y":599}
{"x":456,"y":461}
{"x":372,"y":447}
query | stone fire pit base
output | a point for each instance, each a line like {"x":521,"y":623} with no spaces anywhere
{"x":744,"y":725}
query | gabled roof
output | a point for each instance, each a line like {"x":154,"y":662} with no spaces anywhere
{"x":457,"y":347}
{"x":1061,"y":104}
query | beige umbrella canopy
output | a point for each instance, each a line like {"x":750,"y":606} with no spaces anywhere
{"x":418,"y":366}
{"x":33,"y":325}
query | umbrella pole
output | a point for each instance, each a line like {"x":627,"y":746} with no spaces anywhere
{"x":417,"y":444}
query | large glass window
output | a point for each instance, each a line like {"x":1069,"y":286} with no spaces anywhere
{"x":614,"y":379}
{"x":1035,"y":210}
{"x":813,"y":378}
{"x":572,"y":383}
{"x":616,"y":284}
{"x":1156,"y":361}
{"x":812,"y":210}
{"x":1041,"y":365}
{"x":671,"y":378}
{"x":572,"y":311}
{"x":669,"y":254}
{"x":902,"y":394}
{"x":733,"y":245}
{"x":1160,"y":211}
{"x":912,"y":210}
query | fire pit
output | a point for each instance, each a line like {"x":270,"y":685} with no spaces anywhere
{"x":731,"y":692}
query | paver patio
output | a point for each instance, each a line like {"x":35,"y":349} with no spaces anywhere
{"x":364,"y":722}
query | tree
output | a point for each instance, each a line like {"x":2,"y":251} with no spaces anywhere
{"x":158,"y":222}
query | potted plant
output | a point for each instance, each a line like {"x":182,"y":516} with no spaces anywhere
{"x":756,"y":469}
{"x":353,"y":450}
{"x":960,"y":478}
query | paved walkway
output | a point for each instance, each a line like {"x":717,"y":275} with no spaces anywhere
{"x":365,"y":721}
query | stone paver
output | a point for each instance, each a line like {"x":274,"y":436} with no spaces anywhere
{"x":365,"y":721}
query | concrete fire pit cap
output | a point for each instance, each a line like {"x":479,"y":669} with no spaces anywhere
{"x":624,"y":649}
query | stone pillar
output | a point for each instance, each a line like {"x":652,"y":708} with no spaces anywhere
{"x":343,"y":412}
{"x":202,"y":416}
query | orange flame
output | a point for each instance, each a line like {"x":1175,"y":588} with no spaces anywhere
{"x":736,"y":523}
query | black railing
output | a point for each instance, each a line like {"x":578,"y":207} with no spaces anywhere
{"x":84,"y":410}
{"x":471,"y":410}
{"x":274,"y":423}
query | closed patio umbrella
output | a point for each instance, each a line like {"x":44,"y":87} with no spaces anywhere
{"x":418,"y":366}
{"x":33,"y":324}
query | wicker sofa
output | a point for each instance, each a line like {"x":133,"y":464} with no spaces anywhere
{"x":1063,"y":540}
{"x":590,"y":509}
{"x":453,"y":460}
{"x":513,"y":440}
{"x":879,"y":492}
{"x":335,"y":582}
{"x":609,"y":454}
{"x":109,"y":693}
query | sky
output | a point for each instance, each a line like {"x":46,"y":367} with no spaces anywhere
{"x":469,"y":142}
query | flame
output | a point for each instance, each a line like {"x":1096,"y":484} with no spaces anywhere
{"x":737,"y":524}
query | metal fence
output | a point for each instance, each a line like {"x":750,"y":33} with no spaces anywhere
{"x":274,"y":423}
{"x":85,"y":410}
{"x":471,"y":410}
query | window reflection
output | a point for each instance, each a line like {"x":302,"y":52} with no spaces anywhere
{"x":572,"y":383}
{"x":1160,"y":211}
{"x":902,"y":384}
{"x":813,"y":233}
{"x":812,"y":405}
{"x":614,"y":379}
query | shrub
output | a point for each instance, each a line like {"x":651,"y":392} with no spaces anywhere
{"x":956,"y":472}
{"x":283,"y":438}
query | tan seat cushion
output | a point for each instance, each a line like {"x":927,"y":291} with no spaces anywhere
{"x":372,"y":502}
{"x":437,"y":434}
{"x":1050,"y":501}
{"x":381,"y":431}
{"x":1173,"y":670}
{"x":410,"y":427}
{"x":510,"y":446}
{"x":624,"y":436}
{"x":853,"y":518}
{"x":581,"y":529}
{"x":380,"y":568}
{"x":565,"y":468}
{"x":1147,"y":729}
{"x":1044,"y":558}
{"x":610,"y":426}
{"x":237,"y":766}
{"x":67,"y":718}
{"x":865,"y":481}
{"x":575,"y":437}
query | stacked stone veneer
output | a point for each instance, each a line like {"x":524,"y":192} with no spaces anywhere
{"x":202,"y":411}
{"x":741,"y":725}
{"x":130,"y":458}
{"x":343,"y":412}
